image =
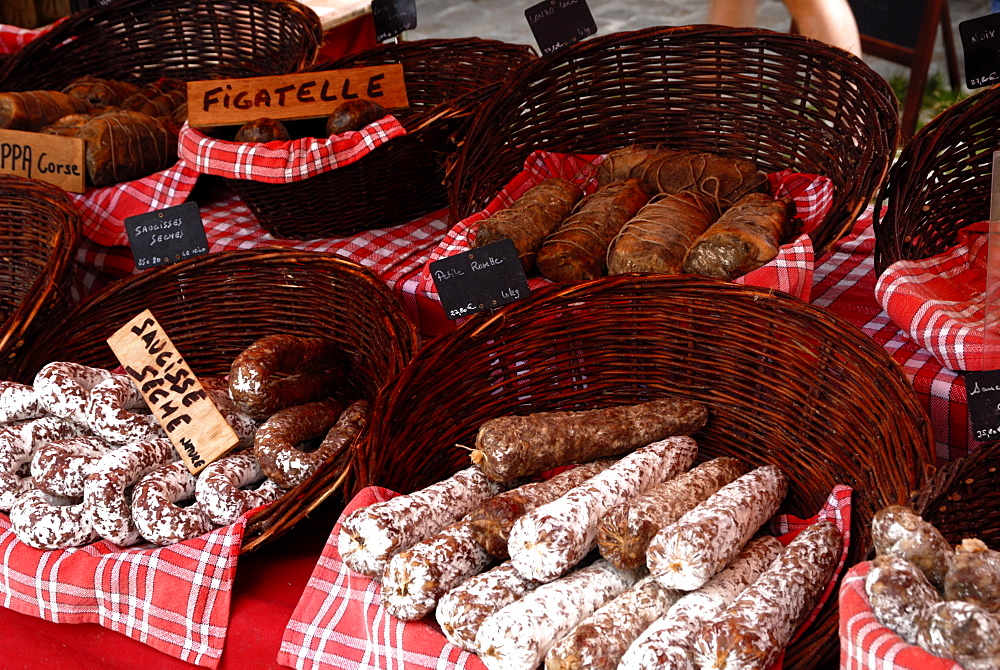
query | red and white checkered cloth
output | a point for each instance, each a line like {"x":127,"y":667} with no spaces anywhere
{"x":103,"y":210}
{"x":940,"y":301}
{"x":845,"y":285}
{"x":283,"y":162}
{"x":790,"y":272}
{"x":13,"y":38}
{"x":865,"y":644}
{"x":339,"y":621}
{"x":174,"y":599}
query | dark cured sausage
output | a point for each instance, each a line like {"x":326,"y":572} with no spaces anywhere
{"x":516,"y":446}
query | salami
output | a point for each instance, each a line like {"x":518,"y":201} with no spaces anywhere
{"x":155,"y":510}
{"x":755,"y":629}
{"x":685,"y":554}
{"x":223,"y":488}
{"x":974,"y":575}
{"x":12,"y":486}
{"x":462,"y":610}
{"x":18,"y":402}
{"x":20,"y":441}
{"x":370,"y":536}
{"x":50,"y":522}
{"x":277,"y":439}
{"x":599,"y":641}
{"x":492,"y":520}
{"x":516,"y":446}
{"x":666,"y":643}
{"x":109,"y":412}
{"x":64,"y":389}
{"x":518,"y":636}
{"x":900,"y":595}
{"x":551,"y":539}
{"x":962,"y":631}
{"x":415,"y":578}
{"x":59,"y":467}
{"x":626,"y":530}
{"x":899,"y":531}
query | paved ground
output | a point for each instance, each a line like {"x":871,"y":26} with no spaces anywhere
{"x":504,"y":20}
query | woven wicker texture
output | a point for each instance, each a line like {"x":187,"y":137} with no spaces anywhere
{"x":963,"y":499}
{"x":39,"y":235}
{"x":446,"y":80}
{"x":940,"y":183}
{"x":214,"y":306}
{"x":786,"y":383}
{"x":783,"y":100}
{"x":183,"y":39}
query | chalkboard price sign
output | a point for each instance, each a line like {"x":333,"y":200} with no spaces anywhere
{"x":556,"y":24}
{"x":480,"y":279}
{"x":981,"y":44}
{"x":166,"y":235}
{"x":392,"y":17}
{"x":982,"y":389}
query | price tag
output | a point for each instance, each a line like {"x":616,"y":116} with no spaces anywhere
{"x":981,"y":48}
{"x":309,"y":95}
{"x":166,"y":235}
{"x":55,"y":159}
{"x":556,"y":24}
{"x":392,"y":17}
{"x":177,"y":399}
{"x":480,"y":279}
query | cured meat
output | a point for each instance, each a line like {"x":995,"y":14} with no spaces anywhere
{"x":492,"y":520}
{"x":624,"y":533}
{"x":974,"y":575}
{"x":509,"y":447}
{"x":962,"y":631}
{"x":622,"y":163}
{"x":371,"y":535}
{"x":222,"y":488}
{"x":64,"y":389}
{"x":577,"y":250}
{"x":59,"y":467}
{"x":276,"y":442}
{"x":900,"y":595}
{"x":415,"y":578}
{"x":462,"y":610}
{"x":721,"y":180}
{"x":109,"y":414}
{"x":551,"y":539}
{"x":600,"y":640}
{"x":685,"y":554}
{"x":124,"y":145}
{"x":30,"y":110}
{"x":18,"y":402}
{"x":667,"y":642}
{"x":899,"y":531}
{"x":754,"y":630}
{"x":155,"y":510}
{"x":50,"y":522}
{"x":518,"y":636}
{"x":530,"y":219}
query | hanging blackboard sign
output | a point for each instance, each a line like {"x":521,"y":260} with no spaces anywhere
{"x":556,"y":24}
{"x":893,"y":21}
{"x":392,"y":17}
{"x":981,"y":46}
{"x":480,"y":279}
{"x":166,"y":235}
{"x":982,"y":391}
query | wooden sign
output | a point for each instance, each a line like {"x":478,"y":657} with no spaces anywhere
{"x":52,"y":158}
{"x":480,"y":279}
{"x":177,"y":399}
{"x":226,"y":102}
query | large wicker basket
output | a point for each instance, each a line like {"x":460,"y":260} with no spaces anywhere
{"x":214,"y":306}
{"x":786,"y":382}
{"x":940,"y":183}
{"x":783,"y":100}
{"x":144,"y":40}
{"x":39,"y":235}
{"x":963,"y":499}
{"x":446,"y":80}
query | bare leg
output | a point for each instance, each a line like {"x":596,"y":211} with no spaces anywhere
{"x":830,"y":21}
{"x":737,"y":13}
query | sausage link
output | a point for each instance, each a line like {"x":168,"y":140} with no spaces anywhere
{"x":276,"y":440}
{"x":551,"y":539}
{"x":899,"y":531}
{"x":685,"y":554}
{"x":900,"y":595}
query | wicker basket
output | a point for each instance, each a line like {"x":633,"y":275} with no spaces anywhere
{"x":446,"y":80}
{"x":963,"y":499}
{"x":214,"y":306}
{"x":783,"y":100}
{"x":787,"y":383}
{"x":144,"y":40}
{"x":940,"y":183}
{"x":39,"y":235}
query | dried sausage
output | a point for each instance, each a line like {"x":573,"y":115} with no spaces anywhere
{"x":899,"y":531}
{"x":276,"y":440}
{"x":900,"y":594}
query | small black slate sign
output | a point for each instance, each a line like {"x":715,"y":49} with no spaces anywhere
{"x":982,"y":392}
{"x":166,"y":235}
{"x":479,"y":279}
{"x":556,"y":24}
{"x":981,"y":46}
{"x":392,"y":17}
